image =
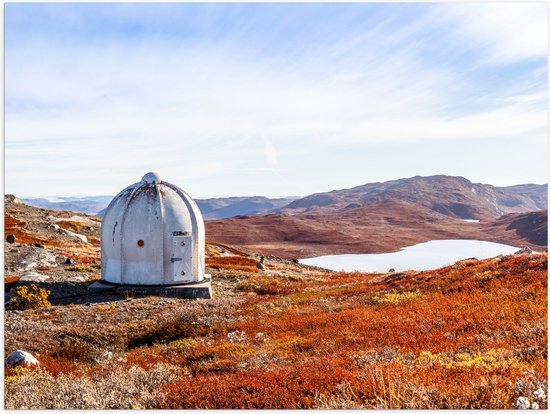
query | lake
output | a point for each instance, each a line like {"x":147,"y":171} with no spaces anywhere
{"x":424,"y":256}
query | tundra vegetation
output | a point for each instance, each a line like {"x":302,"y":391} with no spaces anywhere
{"x":29,"y":297}
{"x":470,"y":335}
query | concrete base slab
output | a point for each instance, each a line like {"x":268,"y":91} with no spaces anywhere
{"x":202,"y":290}
{"x":99,"y":285}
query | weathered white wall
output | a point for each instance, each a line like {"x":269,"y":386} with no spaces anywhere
{"x":151,"y":211}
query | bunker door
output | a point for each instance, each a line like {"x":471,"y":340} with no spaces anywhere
{"x":182,"y":258}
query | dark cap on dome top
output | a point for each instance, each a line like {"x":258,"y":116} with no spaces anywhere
{"x":151,"y":177}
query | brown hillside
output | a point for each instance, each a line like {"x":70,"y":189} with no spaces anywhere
{"x":382,"y":226}
{"x":533,"y":227}
{"x":281,"y":335}
{"x":452,"y":196}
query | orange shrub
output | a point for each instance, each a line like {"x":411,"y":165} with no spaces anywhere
{"x":228,"y":248}
{"x":471,"y":335}
{"x":30,"y":297}
{"x":293,"y":388}
{"x":459,"y":337}
{"x":59,"y":365}
{"x":243,"y":264}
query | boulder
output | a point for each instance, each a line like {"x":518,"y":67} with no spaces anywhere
{"x":12,"y":198}
{"x":19,"y":357}
{"x":33,"y":277}
{"x":79,"y":237}
{"x":78,"y":279}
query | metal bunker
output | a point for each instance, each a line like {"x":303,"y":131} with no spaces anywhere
{"x":153,"y":235}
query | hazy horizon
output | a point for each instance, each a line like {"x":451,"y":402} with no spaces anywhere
{"x":206,"y":196}
{"x":272,"y":99}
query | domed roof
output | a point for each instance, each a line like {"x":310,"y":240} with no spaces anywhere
{"x":151,"y":178}
{"x":152,"y":234}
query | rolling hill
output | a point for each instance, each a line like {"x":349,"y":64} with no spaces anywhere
{"x":87,"y":204}
{"x":382,"y":227}
{"x":452,"y":196}
{"x":211,"y":208}
{"x":281,"y":336}
{"x":371,"y":218}
{"x":384,"y":217}
{"x":218,"y":208}
{"x":536,"y":192}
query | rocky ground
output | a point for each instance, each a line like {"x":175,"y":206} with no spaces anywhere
{"x":275,"y":335}
{"x":59,"y":251}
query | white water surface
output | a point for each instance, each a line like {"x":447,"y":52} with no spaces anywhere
{"x":424,"y":256}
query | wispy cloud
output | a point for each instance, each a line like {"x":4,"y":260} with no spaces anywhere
{"x":194,"y":98}
{"x":504,"y":32}
{"x":270,"y":152}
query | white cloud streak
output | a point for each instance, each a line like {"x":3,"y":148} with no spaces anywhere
{"x":505,"y":32}
{"x":197,"y":97}
{"x":270,"y":152}
{"x":157,"y":102}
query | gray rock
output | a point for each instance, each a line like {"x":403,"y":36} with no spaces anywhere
{"x":78,"y":279}
{"x":392,"y":270}
{"x":37,"y":257}
{"x":102,"y":356}
{"x":260,"y":265}
{"x":81,"y":237}
{"x":10,"y":239}
{"x":20,"y":357}
{"x":33,"y":277}
{"x":12,"y":198}
{"x":77,"y":236}
{"x":524,"y":250}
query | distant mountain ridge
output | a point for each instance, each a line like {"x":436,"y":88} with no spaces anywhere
{"x":377,"y":217}
{"x":218,"y":208}
{"x":211,"y":208}
{"x":452,"y":196}
{"x":536,"y":192}
{"x":384,"y":217}
{"x":87,"y":204}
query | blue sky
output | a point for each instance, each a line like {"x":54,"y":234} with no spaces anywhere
{"x":272,"y":99}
